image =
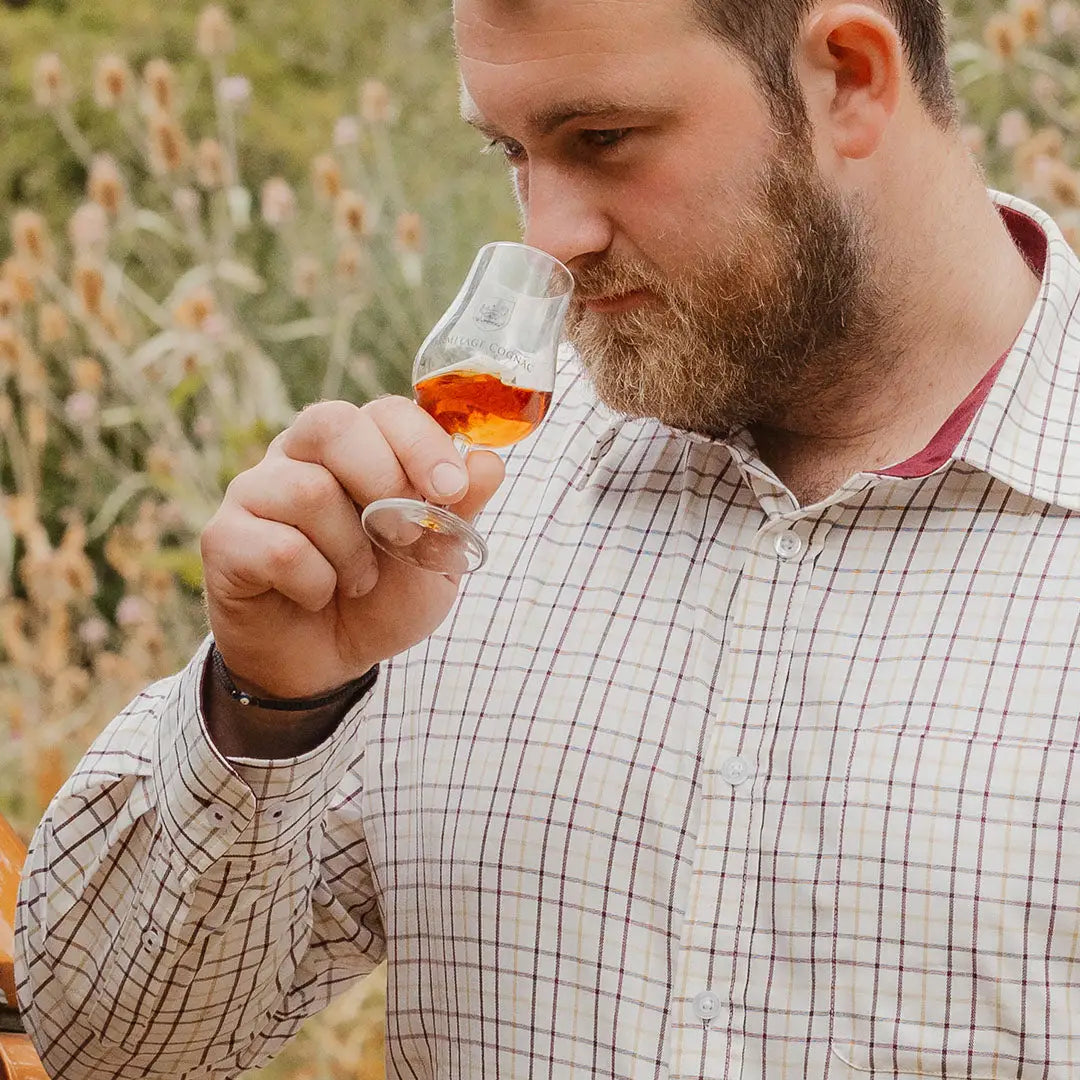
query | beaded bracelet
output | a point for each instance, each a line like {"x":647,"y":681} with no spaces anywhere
{"x":355,"y":688}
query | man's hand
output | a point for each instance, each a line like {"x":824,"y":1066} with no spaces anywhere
{"x":299,"y":600}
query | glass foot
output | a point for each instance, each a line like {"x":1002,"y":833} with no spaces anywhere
{"x":428,"y":537}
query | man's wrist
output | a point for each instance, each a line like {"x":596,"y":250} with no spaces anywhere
{"x":240,"y":730}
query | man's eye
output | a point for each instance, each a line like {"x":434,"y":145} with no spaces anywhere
{"x":514,"y":152}
{"x":602,"y":139}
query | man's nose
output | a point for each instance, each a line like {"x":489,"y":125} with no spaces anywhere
{"x":563,"y":217}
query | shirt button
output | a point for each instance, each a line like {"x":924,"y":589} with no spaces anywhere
{"x":736,"y":771}
{"x":706,"y":1006}
{"x":219,"y":815}
{"x":788,"y":545}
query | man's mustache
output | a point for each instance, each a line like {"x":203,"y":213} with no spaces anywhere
{"x":606,"y":280}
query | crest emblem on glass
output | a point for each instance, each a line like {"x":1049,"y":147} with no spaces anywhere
{"x":485,"y":373}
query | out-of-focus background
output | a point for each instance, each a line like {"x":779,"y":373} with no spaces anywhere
{"x":210,"y":216}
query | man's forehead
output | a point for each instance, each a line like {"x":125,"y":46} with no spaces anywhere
{"x":564,"y":57}
{"x":480,"y":20}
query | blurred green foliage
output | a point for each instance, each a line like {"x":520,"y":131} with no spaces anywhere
{"x":305,"y":63}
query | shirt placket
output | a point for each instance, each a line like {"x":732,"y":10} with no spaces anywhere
{"x":763,"y":604}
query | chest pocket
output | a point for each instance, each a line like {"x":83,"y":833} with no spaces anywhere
{"x":958,"y":905}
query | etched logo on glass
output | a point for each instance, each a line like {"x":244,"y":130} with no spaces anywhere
{"x":494,"y":314}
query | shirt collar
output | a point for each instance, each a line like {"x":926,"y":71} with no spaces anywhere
{"x":1027,"y":433}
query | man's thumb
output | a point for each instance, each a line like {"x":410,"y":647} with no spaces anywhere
{"x":486,"y":472}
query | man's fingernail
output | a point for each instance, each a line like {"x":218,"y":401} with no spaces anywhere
{"x":447,"y":478}
{"x":368,"y":580}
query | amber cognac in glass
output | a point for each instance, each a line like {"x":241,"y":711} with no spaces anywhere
{"x":486,"y":373}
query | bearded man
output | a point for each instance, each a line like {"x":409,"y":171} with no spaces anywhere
{"x":751,"y":752}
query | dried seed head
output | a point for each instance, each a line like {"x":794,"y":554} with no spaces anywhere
{"x":306,"y":273}
{"x":409,"y":233}
{"x":214,"y":34}
{"x":121,"y":554}
{"x":81,"y":407}
{"x":1045,"y":89}
{"x":93,"y":632}
{"x":32,"y":376}
{"x":88,"y":374}
{"x":88,"y":284}
{"x":160,"y":586}
{"x":70,"y":687}
{"x":1003,"y":36}
{"x":161,"y":462}
{"x":351,"y":265}
{"x":1060,"y":182}
{"x":22,"y":277}
{"x":105,"y":186}
{"x":193,"y":311}
{"x":1045,"y":143}
{"x":9,"y":300}
{"x":116,"y":669}
{"x":235,"y":91}
{"x":974,"y":139}
{"x":326,"y":173}
{"x":169,"y":149}
{"x":30,"y":237}
{"x":1013,"y":129}
{"x":37,"y":423}
{"x":352,"y":215}
{"x":13,"y":618}
{"x":112,"y":322}
{"x":50,"y":81}
{"x":346,"y":131}
{"x":11,"y":348}
{"x":159,"y":80}
{"x":375,"y":103}
{"x":112,"y":81}
{"x":71,"y":560}
{"x":187,"y":204}
{"x":132,"y":610}
{"x":52,"y":324}
{"x":146,"y":529}
{"x":21,"y":512}
{"x":50,"y":661}
{"x":1064,"y":18}
{"x":1031,"y":17}
{"x":88,"y":229}
{"x":211,"y":165}
{"x":278,"y":202}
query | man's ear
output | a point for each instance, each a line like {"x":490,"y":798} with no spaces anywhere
{"x":851,"y":65}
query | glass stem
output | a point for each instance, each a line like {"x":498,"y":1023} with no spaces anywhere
{"x":462,"y":444}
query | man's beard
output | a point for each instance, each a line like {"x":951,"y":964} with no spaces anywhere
{"x":746,"y":335}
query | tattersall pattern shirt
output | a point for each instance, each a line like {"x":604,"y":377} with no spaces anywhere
{"x":693,"y":783}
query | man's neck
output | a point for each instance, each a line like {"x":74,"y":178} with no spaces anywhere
{"x":960,"y":292}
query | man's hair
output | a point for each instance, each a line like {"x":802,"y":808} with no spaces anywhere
{"x":764,"y":31}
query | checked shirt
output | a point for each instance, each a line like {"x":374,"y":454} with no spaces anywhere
{"x":694,"y":783}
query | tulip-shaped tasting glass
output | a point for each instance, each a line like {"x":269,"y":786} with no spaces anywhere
{"x":486,"y":374}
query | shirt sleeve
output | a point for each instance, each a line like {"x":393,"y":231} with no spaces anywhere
{"x":180,"y":914}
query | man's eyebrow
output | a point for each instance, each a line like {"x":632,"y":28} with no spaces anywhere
{"x":474,"y":119}
{"x":546,"y":121}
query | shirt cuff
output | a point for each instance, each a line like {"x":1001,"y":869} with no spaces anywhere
{"x":210,"y":806}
